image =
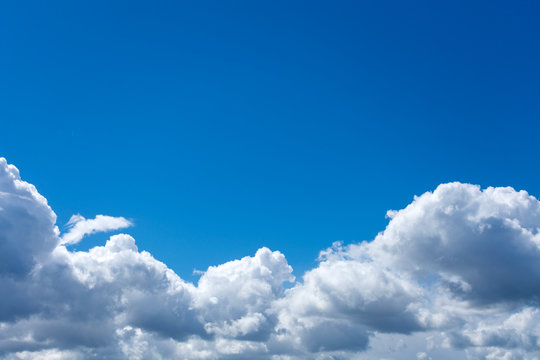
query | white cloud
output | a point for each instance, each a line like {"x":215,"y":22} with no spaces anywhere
{"x":79,"y":227}
{"x":233,"y":298}
{"x":455,"y":274}
{"x":27,"y":223}
{"x":478,"y":245}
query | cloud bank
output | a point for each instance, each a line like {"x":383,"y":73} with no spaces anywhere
{"x":456,"y":274}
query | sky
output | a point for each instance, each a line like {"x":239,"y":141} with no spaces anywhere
{"x":208,"y":131}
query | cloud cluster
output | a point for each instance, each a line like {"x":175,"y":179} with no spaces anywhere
{"x":456,"y":274}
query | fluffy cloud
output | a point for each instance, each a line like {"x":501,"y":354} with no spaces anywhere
{"x":27,"y":223}
{"x":477,"y":244}
{"x":455,"y":274}
{"x":234,"y":298}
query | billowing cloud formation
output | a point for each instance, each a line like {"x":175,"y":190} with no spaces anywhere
{"x":456,"y":274}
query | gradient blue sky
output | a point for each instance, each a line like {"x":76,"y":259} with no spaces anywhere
{"x":221,"y":127}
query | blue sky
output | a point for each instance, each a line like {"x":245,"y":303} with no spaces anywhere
{"x":221,"y":127}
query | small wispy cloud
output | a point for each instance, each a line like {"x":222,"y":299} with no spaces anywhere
{"x":79,"y":227}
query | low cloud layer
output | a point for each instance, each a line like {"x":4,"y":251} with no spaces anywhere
{"x":456,"y":274}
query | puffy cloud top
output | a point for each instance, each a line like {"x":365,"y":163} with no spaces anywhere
{"x":456,"y":274}
{"x":482,"y":246}
{"x":28,"y":231}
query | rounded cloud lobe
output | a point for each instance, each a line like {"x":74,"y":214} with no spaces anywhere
{"x":455,"y":274}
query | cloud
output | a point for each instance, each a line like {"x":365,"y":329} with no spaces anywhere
{"x":456,"y":274}
{"x":481,"y":246}
{"x":233,"y":298}
{"x":79,"y":227}
{"x":27,"y":223}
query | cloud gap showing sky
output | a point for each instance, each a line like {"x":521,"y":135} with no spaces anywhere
{"x":455,"y":274}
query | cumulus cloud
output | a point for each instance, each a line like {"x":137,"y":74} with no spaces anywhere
{"x":27,"y":223}
{"x":477,"y":244}
{"x":79,"y":227}
{"x":234,"y":298}
{"x":456,"y":274}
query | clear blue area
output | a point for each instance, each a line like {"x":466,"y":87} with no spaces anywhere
{"x":220,"y":127}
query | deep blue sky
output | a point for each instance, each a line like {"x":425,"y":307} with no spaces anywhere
{"x":221,"y":127}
